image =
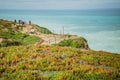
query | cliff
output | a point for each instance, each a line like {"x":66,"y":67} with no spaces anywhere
{"x":28,"y":52}
{"x":20,"y":33}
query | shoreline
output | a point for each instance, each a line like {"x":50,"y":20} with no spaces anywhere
{"x":49,"y":39}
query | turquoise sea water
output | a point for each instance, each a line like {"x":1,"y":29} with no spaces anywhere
{"x":100,"y":27}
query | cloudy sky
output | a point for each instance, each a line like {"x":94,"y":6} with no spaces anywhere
{"x":59,"y":4}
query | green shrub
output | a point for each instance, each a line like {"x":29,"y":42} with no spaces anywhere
{"x":43,"y":30}
{"x":6,"y":43}
{"x":12,"y":36}
{"x":65,"y":42}
{"x":76,"y":43}
{"x":17,"y":37}
{"x":30,"y":40}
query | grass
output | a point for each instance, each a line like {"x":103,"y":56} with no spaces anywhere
{"x":76,"y":43}
{"x":29,"y":62}
{"x":12,"y":35}
{"x":21,"y":38}
{"x":43,"y":29}
{"x":57,"y":63}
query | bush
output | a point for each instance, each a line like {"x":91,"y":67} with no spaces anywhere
{"x":76,"y":43}
{"x":13,"y":36}
{"x":6,"y":43}
{"x":17,"y":37}
{"x":43,"y":30}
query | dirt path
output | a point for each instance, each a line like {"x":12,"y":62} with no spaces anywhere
{"x":51,"y":39}
{"x":45,"y":39}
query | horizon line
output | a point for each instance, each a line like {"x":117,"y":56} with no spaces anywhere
{"x":67,"y":9}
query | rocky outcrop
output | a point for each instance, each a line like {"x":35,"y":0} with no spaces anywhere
{"x":86,"y":46}
{"x":1,"y":39}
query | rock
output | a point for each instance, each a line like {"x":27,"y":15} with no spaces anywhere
{"x":1,"y":39}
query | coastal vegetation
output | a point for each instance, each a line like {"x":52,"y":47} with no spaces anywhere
{"x":76,"y":43}
{"x":57,"y":63}
{"x":18,"y":37}
{"x":11,"y":35}
{"x":43,"y":29}
{"x":21,"y":59}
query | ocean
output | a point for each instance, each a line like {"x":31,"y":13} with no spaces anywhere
{"x":101,"y":28}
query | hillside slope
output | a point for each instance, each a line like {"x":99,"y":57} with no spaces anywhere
{"x":20,"y":33}
{"x":43,"y":55}
{"x":57,"y":63}
{"x":11,"y":33}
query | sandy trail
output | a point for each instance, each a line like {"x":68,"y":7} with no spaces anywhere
{"x":45,"y":39}
{"x":51,"y":39}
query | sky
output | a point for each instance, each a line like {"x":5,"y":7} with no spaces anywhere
{"x":59,"y":4}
